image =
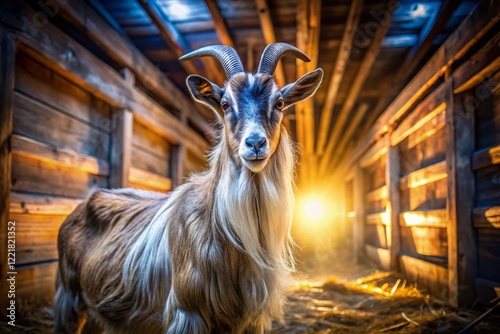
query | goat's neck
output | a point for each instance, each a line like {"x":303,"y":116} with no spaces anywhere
{"x":254,"y":211}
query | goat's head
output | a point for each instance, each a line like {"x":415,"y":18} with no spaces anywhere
{"x":251,"y":106}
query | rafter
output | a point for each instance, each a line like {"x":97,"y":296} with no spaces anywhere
{"x":338,"y":73}
{"x":414,"y":57}
{"x":363,"y":72}
{"x":176,"y":41}
{"x":219,"y":24}
{"x":266,"y":24}
{"x":308,"y":27}
{"x":353,"y":126}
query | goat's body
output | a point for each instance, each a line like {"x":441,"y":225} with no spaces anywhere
{"x":212,"y":256}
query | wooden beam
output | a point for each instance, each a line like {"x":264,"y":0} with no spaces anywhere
{"x":220,"y":24}
{"x":475,"y":26}
{"x":42,"y":205}
{"x":424,"y":176}
{"x":424,"y":273}
{"x":393,"y":204}
{"x":7,"y":75}
{"x":126,"y":54}
{"x":97,"y":5}
{"x":338,"y":73}
{"x":266,"y":24}
{"x":121,"y":148}
{"x":176,"y":41}
{"x":462,"y":248}
{"x":380,"y":256}
{"x":363,"y":72}
{"x":414,"y":57}
{"x":150,"y":179}
{"x":51,"y":154}
{"x":359,"y":210}
{"x":178,"y":164}
{"x":341,"y":146}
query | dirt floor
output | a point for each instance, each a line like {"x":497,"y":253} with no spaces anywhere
{"x":332,"y":295}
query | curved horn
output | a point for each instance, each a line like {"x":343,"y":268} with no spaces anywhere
{"x":226,"y":55}
{"x":273,"y":53}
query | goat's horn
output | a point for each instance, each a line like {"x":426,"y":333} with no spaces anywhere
{"x":226,"y":55}
{"x":273,"y":53}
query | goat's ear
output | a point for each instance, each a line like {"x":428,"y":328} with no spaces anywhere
{"x":205,"y":92}
{"x":303,"y":88}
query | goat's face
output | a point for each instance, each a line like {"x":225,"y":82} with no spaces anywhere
{"x":251,"y":108}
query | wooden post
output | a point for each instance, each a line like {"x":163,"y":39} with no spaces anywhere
{"x":460,"y":202}
{"x":358,"y":233}
{"x":7,"y":68}
{"x":121,"y":148}
{"x":178,"y":164}
{"x":393,"y":207}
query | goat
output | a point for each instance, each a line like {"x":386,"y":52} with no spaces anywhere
{"x":212,"y":256}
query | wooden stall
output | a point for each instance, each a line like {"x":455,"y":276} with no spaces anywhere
{"x":427,"y":170}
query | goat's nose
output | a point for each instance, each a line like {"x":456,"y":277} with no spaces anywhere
{"x":255,"y":142}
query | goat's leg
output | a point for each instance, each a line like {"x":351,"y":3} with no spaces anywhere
{"x":67,"y":318}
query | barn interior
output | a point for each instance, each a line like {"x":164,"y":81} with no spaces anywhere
{"x":398,"y":152}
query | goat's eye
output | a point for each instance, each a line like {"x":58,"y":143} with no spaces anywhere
{"x":225,"y":105}
{"x":280,"y":104}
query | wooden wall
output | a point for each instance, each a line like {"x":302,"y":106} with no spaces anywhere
{"x":426,"y":191}
{"x":77,"y":124}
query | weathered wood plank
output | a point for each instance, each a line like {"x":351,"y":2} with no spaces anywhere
{"x":425,"y":218}
{"x":7,"y":66}
{"x":488,"y":258}
{"x":380,"y":256}
{"x":150,"y":179}
{"x":52,"y":154}
{"x":36,"y":237}
{"x":39,"y":177}
{"x":393,"y":205}
{"x":432,"y":106}
{"x":220,"y":25}
{"x":359,"y":209}
{"x":179,"y":158}
{"x":426,"y":274}
{"x":427,"y":131}
{"x":338,"y":73}
{"x":424,"y":176}
{"x":460,"y":202}
{"x":35,"y":284}
{"x":42,"y":84}
{"x":150,"y":142}
{"x":477,"y":24}
{"x":121,"y":148}
{"x":378,"y":194}
{"x":486,"y":217}
{"x":38,"y":121}
{"x":486,"y":157}
{"x":42,"y":205}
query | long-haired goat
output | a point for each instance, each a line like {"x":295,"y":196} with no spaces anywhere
{"x":212,"y":256}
